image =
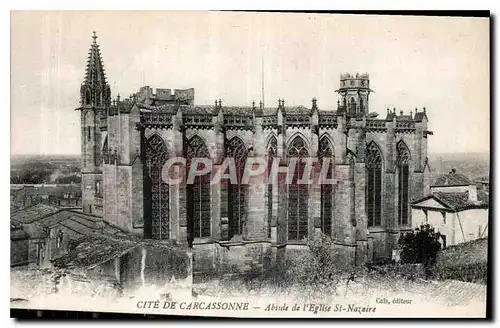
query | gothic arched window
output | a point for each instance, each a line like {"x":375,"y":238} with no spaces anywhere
{"x":237,"y":193}
{"x":88,"y":97}
{"x":156,"y":156}
{"x":352,"y":106}
{"x":373,"y":159}
{"x":326,"y":151}
{"x":403,"y":161}
{"x":198,"y":193}
{"x":272,"y":151}
{"x":298,"y":194}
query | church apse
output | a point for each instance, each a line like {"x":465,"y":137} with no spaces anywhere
{"x":376,"y":163}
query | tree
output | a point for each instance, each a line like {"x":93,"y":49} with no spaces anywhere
{"x":420,"y":246}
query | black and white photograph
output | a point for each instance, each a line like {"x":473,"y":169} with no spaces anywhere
{"x":250,"y":164}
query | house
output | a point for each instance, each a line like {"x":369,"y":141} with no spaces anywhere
{"x":19,"y":245}
{"x":126,"y":262}
{"x":46,"y":231}
{"x":455,"y":208}
{"x":60,"y":195}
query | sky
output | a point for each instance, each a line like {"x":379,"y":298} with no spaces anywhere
{"x":440,"y":63}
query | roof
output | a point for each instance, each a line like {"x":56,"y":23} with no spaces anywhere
{"x":237,"y":110}
{"x":33,"y":213}
{"x":419,"y":116}
{"x":297,"y":110}
{"x":86,"y":225}
{"x":56,"y":190}
{"x":452,"y":180}
{"x":94,"y":250}
{"x":455,"y":201}
{"x":326,"y":112}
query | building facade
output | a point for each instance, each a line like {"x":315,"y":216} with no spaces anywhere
{"x":455,"y":208}
{"x":379,"y":164}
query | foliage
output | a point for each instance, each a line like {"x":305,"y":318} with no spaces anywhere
{"x":74,"y":178}
{"x":30,"y":176}
{"x":466,"y":262}
{"x":322,"y":266}
{"x":471,"y":272}
{"x":420,"y":246}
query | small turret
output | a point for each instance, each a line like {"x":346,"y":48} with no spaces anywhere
{"x":354,"y":94}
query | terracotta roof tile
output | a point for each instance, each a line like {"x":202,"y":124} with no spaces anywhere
{"x":93,"y":250}
{"x":454,"y":200}
{"x":451,"y":179}
{"x":33,"y":213}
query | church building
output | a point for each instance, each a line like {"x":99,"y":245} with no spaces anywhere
{"x":379,"y":164}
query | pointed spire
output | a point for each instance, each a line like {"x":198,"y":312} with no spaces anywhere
{"x":95,"y":90}
{"x":95,"y":73}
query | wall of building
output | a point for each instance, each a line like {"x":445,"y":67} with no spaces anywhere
{"x":19,"y":252}
{"x":473,"y":223}
{"x":458,"y":227}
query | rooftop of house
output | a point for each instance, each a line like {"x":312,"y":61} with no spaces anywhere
{"x":42,"y":217}
{"x":54,"y":190}
{"x":93,"y":250}
{"x":33,"y":213}
{"x":452,"y":179}
{"x":457,"y":201}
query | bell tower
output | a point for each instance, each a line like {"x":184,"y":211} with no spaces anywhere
{"x":354,"y":94}
{"x":95,"y":99}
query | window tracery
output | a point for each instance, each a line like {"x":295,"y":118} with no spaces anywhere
{"x":373,"y":161}
{"x":198,"y":193}
{"x":272,"y":151}
{"x":326,"y":151}
{"x":237,"y":193}
{"x":403,"y":161}
{"x":298,"y":194}
{"x":156,"y":156}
